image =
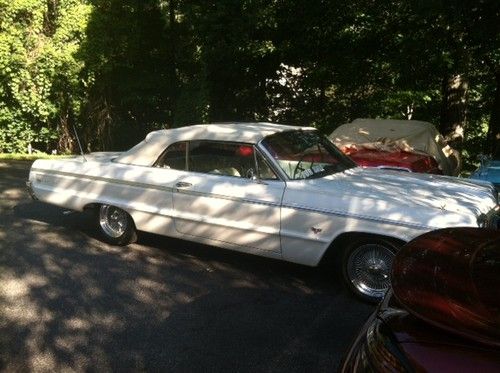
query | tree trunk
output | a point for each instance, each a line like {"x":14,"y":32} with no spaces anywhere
{"x":99,"y":118}
{"x":173,"y":79}
{"x":494,"y":125}
{"x":50,"y":18}
{"x":455,"y":92}
{"x":65,"y":143}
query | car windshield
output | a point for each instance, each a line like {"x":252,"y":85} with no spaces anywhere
{"x":306,"y":154}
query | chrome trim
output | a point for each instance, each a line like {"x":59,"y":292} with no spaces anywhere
{"x":361,"y":217}
{"x":105,"y":179}
{"x":228,"y":198}
{"x":271,"y":161}
{"x":265,"y":157}
{"x":394,"y":168}
{"x":491,"y":219}
{"x":244,"y":200}
{"x":29,"y":187}
{"x":182,"y":184}
{"x":161,"y":188}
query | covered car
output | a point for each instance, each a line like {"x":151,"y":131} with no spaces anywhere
{"x":397,"y":144}
{"x":279,"y":191}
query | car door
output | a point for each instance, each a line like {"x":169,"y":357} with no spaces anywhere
{"x":229,"y":195}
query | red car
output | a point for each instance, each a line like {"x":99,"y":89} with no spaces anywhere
{"x":443,"y":312}
{"x":408,"y":145}
{"x":393,"y":160}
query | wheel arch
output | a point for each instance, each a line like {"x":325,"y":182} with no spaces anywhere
{"x":93,"y":208}
{"x":334,"y":251}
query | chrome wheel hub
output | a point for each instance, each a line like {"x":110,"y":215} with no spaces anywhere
{"x":113,"y":220}
{"x":369,"y":269}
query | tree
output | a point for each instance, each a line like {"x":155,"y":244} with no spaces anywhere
{"x":237,"y":55}
{"x":38,"y":71}
{"x":118,"y":69}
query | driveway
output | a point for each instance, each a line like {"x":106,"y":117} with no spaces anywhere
{"x":69,"y":302}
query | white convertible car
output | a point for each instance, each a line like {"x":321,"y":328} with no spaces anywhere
{"x":279,"y":191}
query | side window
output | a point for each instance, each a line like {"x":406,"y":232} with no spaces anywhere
{"x":265,"y":172}
{"x":224,"y":158}
{"x":173,"y":157}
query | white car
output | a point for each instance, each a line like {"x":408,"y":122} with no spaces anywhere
{"x":283,"y":192}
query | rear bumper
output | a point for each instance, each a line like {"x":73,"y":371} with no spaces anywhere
{"x":30,"y":191}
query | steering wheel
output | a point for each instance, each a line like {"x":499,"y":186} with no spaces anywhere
{"x":297,"y":167}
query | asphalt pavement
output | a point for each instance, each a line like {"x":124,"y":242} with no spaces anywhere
{"x":69,"y":302}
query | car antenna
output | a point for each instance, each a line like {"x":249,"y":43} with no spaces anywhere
{"x":79,"y":143}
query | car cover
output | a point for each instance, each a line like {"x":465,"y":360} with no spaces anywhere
{"x":407,"y":135}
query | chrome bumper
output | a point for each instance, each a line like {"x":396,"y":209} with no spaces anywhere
{"x":30,"y":191}
{"x":491,"y":219}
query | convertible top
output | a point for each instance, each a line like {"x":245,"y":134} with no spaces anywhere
{"x":146,"y":152}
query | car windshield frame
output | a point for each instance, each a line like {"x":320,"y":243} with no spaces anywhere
{"x":295,"y":153}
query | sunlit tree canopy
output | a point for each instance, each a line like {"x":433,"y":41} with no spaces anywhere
{"x":115,"y":70}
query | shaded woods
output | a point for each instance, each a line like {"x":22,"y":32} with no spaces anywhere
{"x":118,"y":69}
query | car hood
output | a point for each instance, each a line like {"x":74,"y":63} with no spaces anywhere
{"x":412,"y":189}
{"x":449,"y":279}
{"x":416,"y":162}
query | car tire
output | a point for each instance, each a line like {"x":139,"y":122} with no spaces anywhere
{"x":115,"y":225}
{"x":366,"y":267}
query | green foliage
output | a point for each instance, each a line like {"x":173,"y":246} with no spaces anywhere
{"x":38,"y":70}
{"x":28,"y":157}
{"x":117,"y":69}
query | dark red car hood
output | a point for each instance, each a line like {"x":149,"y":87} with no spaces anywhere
{"x":415,"y":162}
{"x":450,"y":278}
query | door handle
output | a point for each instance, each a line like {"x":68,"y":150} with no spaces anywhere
{"x":182,"y":184}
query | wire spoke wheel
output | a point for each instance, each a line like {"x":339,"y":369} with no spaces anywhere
{"x":368,"y":269}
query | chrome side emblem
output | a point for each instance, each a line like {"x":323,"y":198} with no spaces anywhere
{"x":316,"y":230}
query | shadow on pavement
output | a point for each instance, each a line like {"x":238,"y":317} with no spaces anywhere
{"x":71,"y":302}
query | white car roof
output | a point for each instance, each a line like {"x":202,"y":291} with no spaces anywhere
{"x":147,"y":151}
